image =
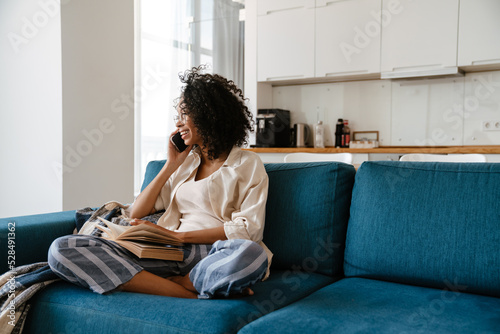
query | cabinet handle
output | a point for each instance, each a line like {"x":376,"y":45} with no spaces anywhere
{"x":346,"y":73}
{"x":417,"y":68}
{"x":272,"y":11}
{"x":285,"y":77}
{"x":440,"y":71}
{"x":486,"y":62}
{"x":307,"y":4}
{"x":324,"y":3}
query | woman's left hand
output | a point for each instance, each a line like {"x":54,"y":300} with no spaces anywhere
{"x":137,"y":221}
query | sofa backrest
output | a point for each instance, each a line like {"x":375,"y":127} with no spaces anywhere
{"x":152,"y":169}
{"x":306,"y":214}
{"x":426,"y":223}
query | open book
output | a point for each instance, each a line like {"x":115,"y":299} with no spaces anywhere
{"x":144,"y":241}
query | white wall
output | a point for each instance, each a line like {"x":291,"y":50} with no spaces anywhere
{"x":30,"y":108}
{"x":366,"y":104}
{"x":66,"y":104}
{"x":98,"y":112}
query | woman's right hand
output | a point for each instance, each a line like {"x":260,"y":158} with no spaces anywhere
{"x":174,"y":157}
{"x":145,"y":202}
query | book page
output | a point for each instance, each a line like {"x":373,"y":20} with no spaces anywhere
{"x":149,"y":233}
{"x":142,"y":232}
{"x":112,"y":230}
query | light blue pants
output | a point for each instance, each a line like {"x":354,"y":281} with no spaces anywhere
{"x":218,"y":270}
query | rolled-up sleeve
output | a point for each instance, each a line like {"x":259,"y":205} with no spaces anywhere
{"x":163,"y":199}
{"x":248,"y":221}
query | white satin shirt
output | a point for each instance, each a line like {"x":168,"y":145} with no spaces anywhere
{"x":237,"y":194}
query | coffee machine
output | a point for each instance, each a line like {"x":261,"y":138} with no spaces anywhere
{"x":273,"y":128}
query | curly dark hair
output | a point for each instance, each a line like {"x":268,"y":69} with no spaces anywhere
{"x":217,"y":108}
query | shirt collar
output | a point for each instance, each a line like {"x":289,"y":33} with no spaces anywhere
{"x":234,"y":157}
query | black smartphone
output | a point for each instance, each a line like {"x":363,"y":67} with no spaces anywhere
{"x":178,"y":142}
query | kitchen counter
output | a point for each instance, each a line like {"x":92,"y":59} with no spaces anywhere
{"x":490,"y":149}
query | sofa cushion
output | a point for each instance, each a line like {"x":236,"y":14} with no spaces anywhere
{"x":152,"y":169}
{"x":66,"y":308}
{"x":306,"y":214}
{"x":426,"y":223}
{"x":358,"y":305}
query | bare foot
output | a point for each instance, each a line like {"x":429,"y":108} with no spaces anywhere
{"x":248,"y":292}
{"x":146,"y":282}
{"x":244,"y":293}
{"x":185,"y":282}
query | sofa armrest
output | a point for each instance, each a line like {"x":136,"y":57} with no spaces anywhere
{"x":30,"y":237}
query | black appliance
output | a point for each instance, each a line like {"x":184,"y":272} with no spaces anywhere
{"x":273,"y":128}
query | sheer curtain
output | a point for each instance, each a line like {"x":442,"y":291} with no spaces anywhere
{"x":171,"y":37}
{"x":228,"y":46}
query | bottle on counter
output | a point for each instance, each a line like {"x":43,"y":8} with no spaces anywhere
{"x":346,"y":134}
{"x":319,"y":135}
{"x":338,"y":132}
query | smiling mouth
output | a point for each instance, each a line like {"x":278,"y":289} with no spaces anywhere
{"x":184,"y":132}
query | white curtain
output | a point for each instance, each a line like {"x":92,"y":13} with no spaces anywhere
{"x":229,"y":41}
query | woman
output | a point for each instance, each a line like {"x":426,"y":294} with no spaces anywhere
{"x":214,"y":196}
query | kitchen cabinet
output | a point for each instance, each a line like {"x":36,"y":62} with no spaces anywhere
{"x":285,"y":37}
{"x":347,"y":37}
{"x":419,"y":36}
{"x":479,"y":33}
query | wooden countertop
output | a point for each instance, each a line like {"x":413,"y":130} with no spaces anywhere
{"x":490,"y":149}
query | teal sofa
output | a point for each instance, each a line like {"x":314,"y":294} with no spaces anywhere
{"x":396,"y":247}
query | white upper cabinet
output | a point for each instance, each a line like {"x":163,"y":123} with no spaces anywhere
{"x":479,"y":33}
{"x":364,"y":39}
{"x":419,"y":36}
{"x":285,"y":37}
{"x":347,"y":37}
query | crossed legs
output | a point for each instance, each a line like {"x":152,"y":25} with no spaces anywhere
{"x":230,"y":267}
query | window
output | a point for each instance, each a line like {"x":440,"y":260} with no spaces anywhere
{"x":173,"y":36}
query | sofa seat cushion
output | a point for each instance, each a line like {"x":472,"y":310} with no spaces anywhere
{"x":359,"y":305}
{"x":427,"y":224}
{"x":66,"y":308}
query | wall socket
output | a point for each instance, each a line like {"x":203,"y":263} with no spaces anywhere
{"x":490,"y":126}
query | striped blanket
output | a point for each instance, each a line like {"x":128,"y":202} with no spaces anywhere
{"x":16,"y":288}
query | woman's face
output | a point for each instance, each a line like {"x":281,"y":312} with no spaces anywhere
{"x":188,"y":131}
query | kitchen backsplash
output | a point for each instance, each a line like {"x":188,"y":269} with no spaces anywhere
{"x":427,"y":112}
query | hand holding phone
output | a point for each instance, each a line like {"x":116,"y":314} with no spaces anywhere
{"x":178,"y":142}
